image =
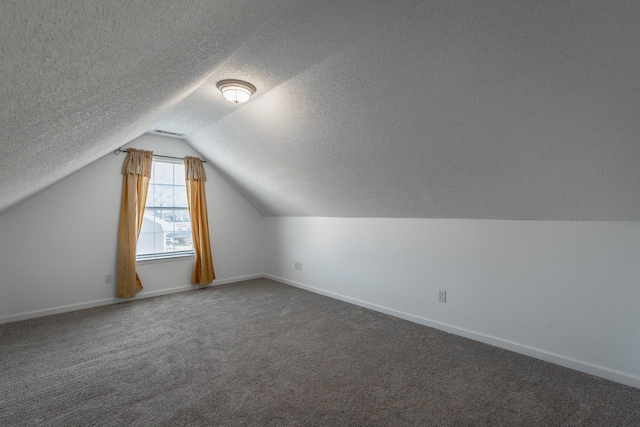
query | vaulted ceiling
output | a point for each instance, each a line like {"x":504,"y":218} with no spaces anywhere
{"x":428,"y":109}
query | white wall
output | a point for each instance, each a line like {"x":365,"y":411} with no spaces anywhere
{"x":566,"y":292}
{"x":57,"y":246}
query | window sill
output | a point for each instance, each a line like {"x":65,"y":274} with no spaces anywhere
{"x":165,"y":258}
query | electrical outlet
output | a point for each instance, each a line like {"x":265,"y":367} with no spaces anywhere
{"x":442,"y":296}
{"x":300,"y":266}
{"x":108,"y":278}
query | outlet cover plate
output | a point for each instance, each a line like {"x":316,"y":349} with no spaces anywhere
{"x":442,"y":296}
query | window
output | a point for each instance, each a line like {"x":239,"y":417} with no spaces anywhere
{"x":166,"y":227}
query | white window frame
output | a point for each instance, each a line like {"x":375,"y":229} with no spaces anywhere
{"x":164,"y":256}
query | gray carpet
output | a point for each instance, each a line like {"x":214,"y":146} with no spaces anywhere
{"x":262,"y":353}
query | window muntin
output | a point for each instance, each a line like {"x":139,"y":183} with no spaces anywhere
{"x":166,"y":226}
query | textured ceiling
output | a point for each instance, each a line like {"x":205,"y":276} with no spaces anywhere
{"x":446,"y":109}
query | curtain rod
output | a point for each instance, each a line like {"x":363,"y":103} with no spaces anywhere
{"x":120,"y":150}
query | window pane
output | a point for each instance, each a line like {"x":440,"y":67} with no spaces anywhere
{"x":179,"y":236}
{"x":150,"y":240}
{"x":162,"y":195}
{"x":163,"y":172}
{"x":178,"y":174}
{"x":150,"y":194}
{"x":180,"y":194}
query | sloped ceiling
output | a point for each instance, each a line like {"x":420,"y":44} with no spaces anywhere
{"x":426,"y":109}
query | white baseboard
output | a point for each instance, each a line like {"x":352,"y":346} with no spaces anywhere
{"x":97,"y":303}
{"x":218,"y":282}
{"x":56,"y":310}
{"x":558,"y":359}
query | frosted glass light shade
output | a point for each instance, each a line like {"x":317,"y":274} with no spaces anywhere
{"x":236,"y":91}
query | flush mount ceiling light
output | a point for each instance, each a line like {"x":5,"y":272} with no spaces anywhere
{"x":236,"y":91}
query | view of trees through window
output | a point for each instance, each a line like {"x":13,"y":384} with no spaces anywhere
{"x":166,"y":227}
